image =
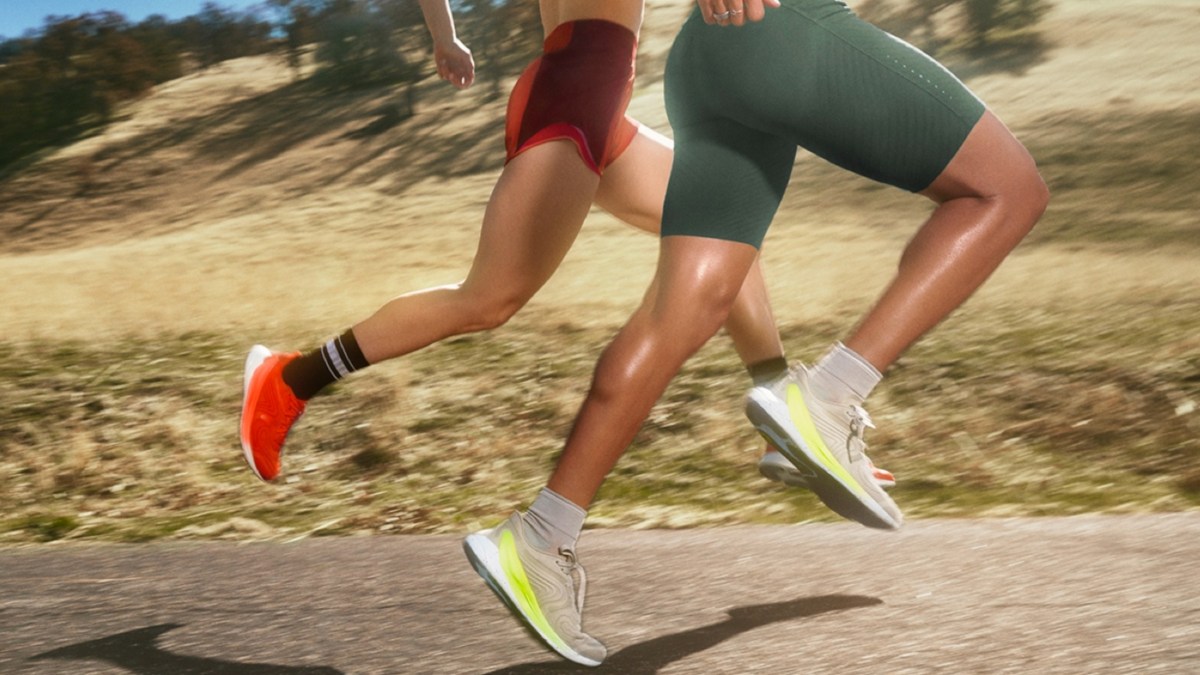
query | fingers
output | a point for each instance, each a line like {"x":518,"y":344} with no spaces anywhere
{"x":756,"y":9}
{"x":727,"y":12}
{"x":715,"y":11}
{"x":462,"y":73}
{"x":467,"y":78}
{"x":460,"y":78}
{"x":455,"y":66}
{"x":737,"y":12}
{"x":734,"y":12}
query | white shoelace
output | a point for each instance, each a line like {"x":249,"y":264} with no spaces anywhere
{"x":860,"y":421}
{"x":570,"y":564}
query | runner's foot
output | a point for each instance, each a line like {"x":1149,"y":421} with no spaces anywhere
{"x":543,"y":589}
{"x":269,"y":409}
{"x":825,"y":443}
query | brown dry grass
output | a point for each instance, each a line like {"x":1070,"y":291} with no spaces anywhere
{"x":139,"y":263}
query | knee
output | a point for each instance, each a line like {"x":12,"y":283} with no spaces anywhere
{"x":1031,"y":195}
{"x":1015,"y":200}
{"x":692,"y":321}
{"x":999,"y":176}
{"x":1024,"y":199}
{"x":660,"y":338}
{"x":714,"y":306}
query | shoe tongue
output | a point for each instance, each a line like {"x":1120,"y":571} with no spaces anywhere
{"x":835,"y":396}
{"x":833,"y":391}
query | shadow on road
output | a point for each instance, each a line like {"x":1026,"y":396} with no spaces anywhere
{"x":650,"y":656}
{"x":137,"y":652}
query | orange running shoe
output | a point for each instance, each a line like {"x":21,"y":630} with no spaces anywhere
{"x":269,"y":409}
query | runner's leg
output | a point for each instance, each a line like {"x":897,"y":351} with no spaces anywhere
{"x":989,"y":196}
{"x":697,"y":281}
{"x":534,"y":214}
{"x":633,"y":189}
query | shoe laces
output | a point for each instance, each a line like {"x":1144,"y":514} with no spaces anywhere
{"x":278,"y":426}
{"x":570,"y":566}
{"x":293,"y":409}
{"x":860,"y":421}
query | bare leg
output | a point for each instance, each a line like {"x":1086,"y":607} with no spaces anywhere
{"x":633,"y":189}
{"x":534,"y":214}
{"x":697,"y":281}
{"x":989,"y":197}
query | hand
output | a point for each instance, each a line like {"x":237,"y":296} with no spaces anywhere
{"x":454,"y":63}
{"x":734,"y":12}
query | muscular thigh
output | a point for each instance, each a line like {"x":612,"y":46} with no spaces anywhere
{"x":877,"y":106}
{"x":726,"y":182}
{"x":727,"y":177}
{"x":634,"y":185}
{"x":838,"y":87}
{"x":532,"y":218}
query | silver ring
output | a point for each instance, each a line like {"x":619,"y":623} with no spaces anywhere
{"x":722,"y":16}
{"x":734,"y":12}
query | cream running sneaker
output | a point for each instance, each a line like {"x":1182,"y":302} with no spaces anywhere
{"x":774,"y":466}
{"x":825,"y":443}
{"x":544,"y":589}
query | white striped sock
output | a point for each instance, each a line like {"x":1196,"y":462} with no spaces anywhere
{"x":333,"y":358}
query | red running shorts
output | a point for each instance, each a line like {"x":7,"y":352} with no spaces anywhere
{"x":576,"y":90}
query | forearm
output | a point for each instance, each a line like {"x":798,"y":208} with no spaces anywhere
{"x":439,"y":20}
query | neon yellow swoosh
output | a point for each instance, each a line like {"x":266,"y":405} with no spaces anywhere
{"x":808,"y":431}
{"x":510,"y":562}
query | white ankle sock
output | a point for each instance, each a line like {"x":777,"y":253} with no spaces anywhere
{"x":554,"y":521}
{"x":842,"y":376}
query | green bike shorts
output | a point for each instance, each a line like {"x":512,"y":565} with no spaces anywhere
{"x":811,"y":75}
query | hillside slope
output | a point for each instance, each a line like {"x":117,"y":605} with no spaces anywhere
{"x":239,"y":168}
{"x":234,"y":206}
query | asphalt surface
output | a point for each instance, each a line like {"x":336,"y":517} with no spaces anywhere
{"x":1115,"y":594}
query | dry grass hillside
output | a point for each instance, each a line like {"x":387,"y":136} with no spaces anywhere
{"x":236,"y":205}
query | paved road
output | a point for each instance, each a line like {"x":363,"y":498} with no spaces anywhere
{"x":1118,"y":594}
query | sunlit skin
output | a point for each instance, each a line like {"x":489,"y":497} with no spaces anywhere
{"x":987,"y":199}
{"x":536,"y":211}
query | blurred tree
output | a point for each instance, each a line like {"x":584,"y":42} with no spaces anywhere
{"x":9,"y":48}
{"x":362,"y":43}
{"x":218,"y":34}
{"x":975,"y":27}
{"x":70,"y":76}
{"x":504,"y":35}
{"x":162,"y":50}
{"x":357,"y":48}
{"x":403,"y":14}
{"x":990,"y":21}
{"x":49,"y":88}
{"x":297,"y":19}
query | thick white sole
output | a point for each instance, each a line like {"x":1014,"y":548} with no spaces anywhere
{"x":258,"y":354}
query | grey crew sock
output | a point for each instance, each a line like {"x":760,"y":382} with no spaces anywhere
{"x":554,"y":521}
{"x":842,"y":376}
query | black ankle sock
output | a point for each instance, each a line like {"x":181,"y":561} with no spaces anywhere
{"x":324,"y":365}
{"x":765,"y":371}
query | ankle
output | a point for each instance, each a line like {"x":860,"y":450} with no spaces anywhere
{"x":553,"y":522}
{"x":843,"y":376}
{"x":763,"y":373}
